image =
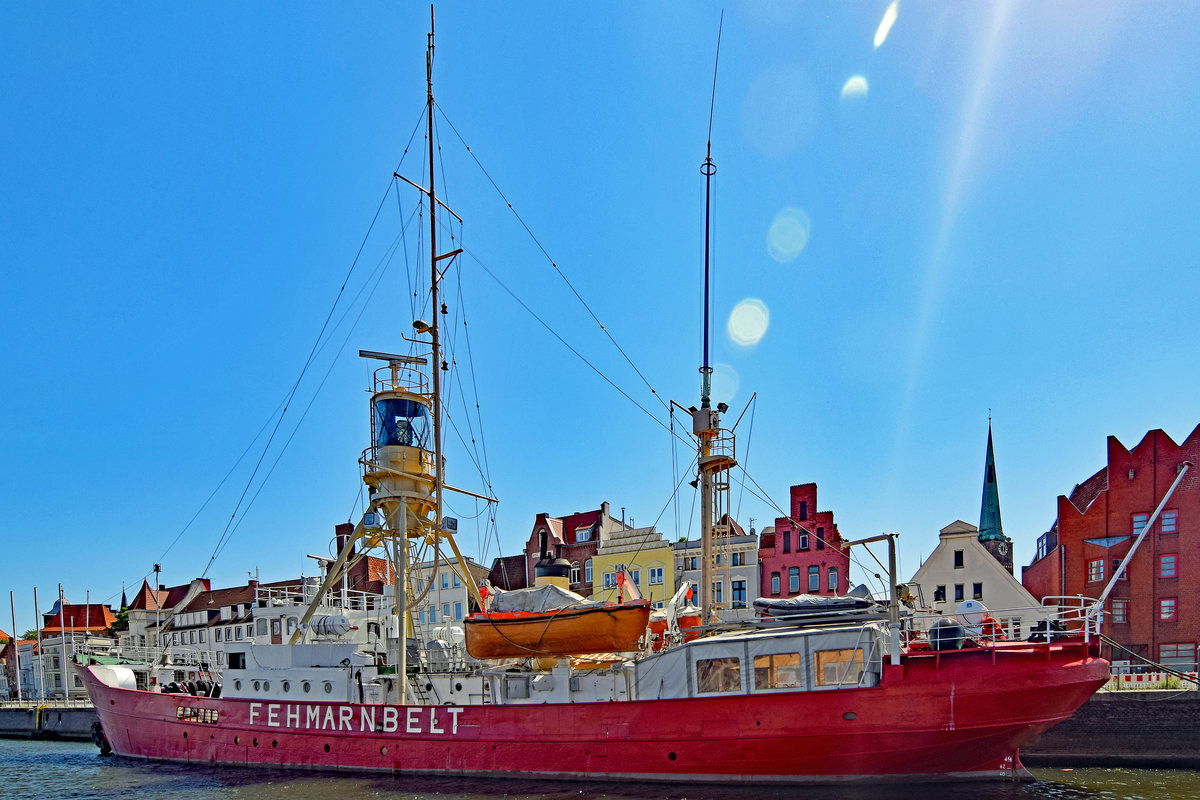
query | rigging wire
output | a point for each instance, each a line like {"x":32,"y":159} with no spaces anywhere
{"x":380,"y":272}
{"x":553,"y":263}
{"x":227,"y":533}
{"x":567,"y":345}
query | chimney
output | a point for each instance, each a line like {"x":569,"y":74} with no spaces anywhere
{"x":342,"y":533}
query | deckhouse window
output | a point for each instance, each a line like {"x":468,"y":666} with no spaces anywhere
{"x":778,"y":671}
{"x":718,"y":675}
{"x":837,"y":667}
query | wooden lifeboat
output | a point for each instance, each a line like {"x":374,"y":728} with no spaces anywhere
{"x":594,"y":628}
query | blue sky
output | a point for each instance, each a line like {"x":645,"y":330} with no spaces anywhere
{"x":997,"y":214}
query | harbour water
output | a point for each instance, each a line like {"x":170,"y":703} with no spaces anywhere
{"x":43,"y":769}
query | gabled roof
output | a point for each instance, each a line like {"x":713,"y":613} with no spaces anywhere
{"x":93,"y":617}
{"x":1084,"y":494}
{"x":148,"y":599}
{"x":958,"y":526}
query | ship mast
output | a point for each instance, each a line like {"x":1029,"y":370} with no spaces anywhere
{"x":715,"y":456}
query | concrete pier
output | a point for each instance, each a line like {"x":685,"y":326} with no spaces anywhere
{"x":1143,"y":728}
{"x":49,"y":720}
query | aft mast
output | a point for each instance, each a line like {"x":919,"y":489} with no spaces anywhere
{"x":715,"y":456}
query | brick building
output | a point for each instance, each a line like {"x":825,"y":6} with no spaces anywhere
{"x":579,"y":534}
{"x":805,"y":554}
{"x":1154,"y":608}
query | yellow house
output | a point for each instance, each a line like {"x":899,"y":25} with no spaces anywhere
{"x":644,"y":553}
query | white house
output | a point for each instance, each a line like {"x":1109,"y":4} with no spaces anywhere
{"x":961,"y":568}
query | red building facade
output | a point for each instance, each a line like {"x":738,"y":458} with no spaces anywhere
{"x":1154,"y":609}
{"x":805,"y":554}
{"x":579,"y":535}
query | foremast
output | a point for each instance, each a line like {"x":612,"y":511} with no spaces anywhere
{"x":404,"y":467}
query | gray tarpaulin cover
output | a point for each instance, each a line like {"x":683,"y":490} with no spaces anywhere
{"x":538,"y":599}
{"x":808,"y":603}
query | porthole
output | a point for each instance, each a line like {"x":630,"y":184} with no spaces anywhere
{"x":326,"y":748}
{"x":237,"y":684}
{"x":383,"y":751}
{"x":849,"y":715}
{"x":257,"y":686}
{"x":458,"y":687}
{"x":306,"y":686}
{"x":185,"y":734}
{"x":237,"y":740}
{"x":266,"y":686}
{"x":274,"y":743}
{"x":671,"y":756}
{"x":256,"y":741}
{"x":328,"y":687}
{"x":287,"y":686}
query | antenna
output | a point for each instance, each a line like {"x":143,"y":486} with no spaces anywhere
{"x":708,"y":169}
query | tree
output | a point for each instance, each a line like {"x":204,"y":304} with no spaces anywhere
{"x":30,"y":634}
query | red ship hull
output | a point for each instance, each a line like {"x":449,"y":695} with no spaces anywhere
{"x":956,"y":715}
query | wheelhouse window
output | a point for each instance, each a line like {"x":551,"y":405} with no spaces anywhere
{"x":718,"y":675}
{"x":778,"y":671}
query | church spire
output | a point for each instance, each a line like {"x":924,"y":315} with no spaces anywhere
{"x":990,"y":527}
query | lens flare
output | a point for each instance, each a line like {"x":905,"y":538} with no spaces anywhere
{"x":748,"y":322}
{"x":788,"y":235}
{"x":725,"y":383}
{"x":885,"y":24}
{"x":856,"y":86}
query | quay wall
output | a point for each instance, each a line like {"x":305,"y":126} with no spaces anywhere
{"x":1143,"y":728}
{"x":32,"y":721}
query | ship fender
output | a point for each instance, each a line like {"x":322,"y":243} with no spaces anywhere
{"x":100,"y":739}
{"x":946,"y":634}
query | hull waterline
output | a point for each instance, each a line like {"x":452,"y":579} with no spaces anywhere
{"x":934,"y":717}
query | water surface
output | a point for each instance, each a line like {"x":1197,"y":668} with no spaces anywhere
{"x":42,"y":770}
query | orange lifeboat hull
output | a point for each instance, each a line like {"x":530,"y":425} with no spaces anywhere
{"x":611,"y":628}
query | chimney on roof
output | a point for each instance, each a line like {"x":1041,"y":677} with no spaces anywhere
{"x":342,"y":533}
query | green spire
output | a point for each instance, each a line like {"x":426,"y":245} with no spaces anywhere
{"x":990,"y":527}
